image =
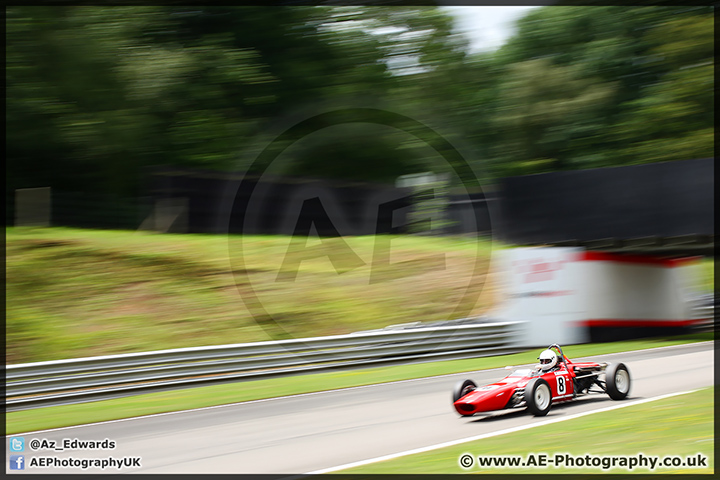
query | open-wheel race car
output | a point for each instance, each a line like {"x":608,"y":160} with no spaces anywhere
{"x":554,"y":380}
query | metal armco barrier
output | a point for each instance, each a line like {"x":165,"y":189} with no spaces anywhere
{"x":707,"y":316}
{"x":61,"y":382}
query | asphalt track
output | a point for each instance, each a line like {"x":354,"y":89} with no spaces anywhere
{"x":311,"y":432}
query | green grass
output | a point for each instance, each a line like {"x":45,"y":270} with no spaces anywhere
{"x":66,"y":415}
{"x":680,"y":425}
{"x":706,"y":281}
{"x":75,"y":293}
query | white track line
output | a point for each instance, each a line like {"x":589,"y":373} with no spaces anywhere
{"x":491,"y":434}
{"x":320,"y":393}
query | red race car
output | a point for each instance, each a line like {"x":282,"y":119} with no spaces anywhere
{"x":554,"y":380}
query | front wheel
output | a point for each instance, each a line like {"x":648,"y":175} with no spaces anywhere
{"x":538,"y":397}
{"x":462,"y":388}
{"x":617,"y":381}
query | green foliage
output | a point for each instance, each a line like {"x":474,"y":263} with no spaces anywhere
{"x":546,"y":111}
{"x":623,"y":90}
{"x":75,"y":293}
{"x":675,"y":116}
{"x":95,"y":94}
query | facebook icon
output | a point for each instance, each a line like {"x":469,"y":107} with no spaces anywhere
{"x":17,"y":462}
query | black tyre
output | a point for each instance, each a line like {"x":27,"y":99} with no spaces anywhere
{"x":617,"y":381}
{"x":538,"y":397}
{"x":462,"y":388}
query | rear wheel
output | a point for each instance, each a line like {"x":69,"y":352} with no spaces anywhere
{"x":617,"y":381}
{"x":538,"y":397}
{"x":462,"y":388}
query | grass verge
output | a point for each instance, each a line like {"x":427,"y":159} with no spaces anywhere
{"x":152,"y":403}
{"x":679,"y":426}
{"x":77,"y":293}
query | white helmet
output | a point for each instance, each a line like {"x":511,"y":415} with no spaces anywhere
{"x":548,"y":359}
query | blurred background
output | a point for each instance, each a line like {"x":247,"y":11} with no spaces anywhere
{"x":95,"y":95}
{"x":101,"y":103}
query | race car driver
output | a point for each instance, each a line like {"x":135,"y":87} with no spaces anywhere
{"x":548,"y":361}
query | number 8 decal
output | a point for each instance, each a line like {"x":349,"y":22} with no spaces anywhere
{"x":561,"y":385}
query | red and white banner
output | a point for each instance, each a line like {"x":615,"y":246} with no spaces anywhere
{"x":559,"y":292}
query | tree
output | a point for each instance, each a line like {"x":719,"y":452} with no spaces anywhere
{"x":69,"y":122}
{"x":545,"y":114}
{"x":96,"y":94}
{"x":616,"y":65}
{"x":674,"y":118}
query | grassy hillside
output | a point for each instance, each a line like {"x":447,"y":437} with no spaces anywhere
{"x":73,"y":293}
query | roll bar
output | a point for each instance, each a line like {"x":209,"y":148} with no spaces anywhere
{"x":559,"y":350}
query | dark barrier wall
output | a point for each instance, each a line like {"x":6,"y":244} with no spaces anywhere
{"x":668,"y":199}
{"x":219,"y":203}
{"x":470,"y":214}
{"x":89,"y":210}
{"x":282,"y":206}
{"x":288,"y":207}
